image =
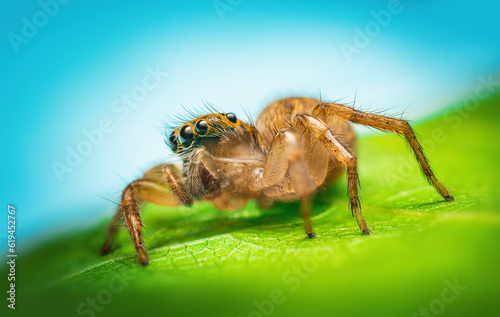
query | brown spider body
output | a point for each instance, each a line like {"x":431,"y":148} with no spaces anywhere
{"x":279,"y":114}
{"x":296,"y":146}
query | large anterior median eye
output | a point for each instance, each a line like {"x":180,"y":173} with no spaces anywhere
{"x":201,"y":127}
{"x":231,"y":117}
{"x":186,"y":136}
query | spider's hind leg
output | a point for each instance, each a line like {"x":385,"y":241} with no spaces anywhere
{"x":385,"y":124}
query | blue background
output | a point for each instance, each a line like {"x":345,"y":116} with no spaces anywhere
{"x":65,"y":78}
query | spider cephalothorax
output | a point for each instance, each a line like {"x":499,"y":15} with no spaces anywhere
{"x":193,"y":133}
{"x":297,"y":146}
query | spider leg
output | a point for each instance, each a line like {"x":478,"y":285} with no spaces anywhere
{"x":348,"y":160}
{"x":287,"y":155}
{"x":160,"y":185}
{"x":112,"y":231}
{"x":385,"y":124}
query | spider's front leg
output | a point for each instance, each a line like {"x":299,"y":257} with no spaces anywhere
{"x":161,"y":186}
{"x":385,"y":124}
{"x":287,"y":155}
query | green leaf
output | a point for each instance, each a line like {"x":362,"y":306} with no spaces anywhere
{"x":256,"y":262}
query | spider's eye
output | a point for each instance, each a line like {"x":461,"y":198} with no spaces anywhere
{"x":231,"y":117}
{"x":201,"y":127}
{"x":173,"y":139}
{"x":186,"y":136}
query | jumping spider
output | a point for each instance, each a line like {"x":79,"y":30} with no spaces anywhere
{"x":295,"y":146}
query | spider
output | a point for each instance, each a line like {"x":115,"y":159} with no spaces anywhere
{"x":296,"y":146}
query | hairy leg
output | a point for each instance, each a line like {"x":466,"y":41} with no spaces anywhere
{"x":159,"y":185}
{"x":112,"y":231}
{"x":286,"y":154}
{"x":338,"y":150}
{"x":385,"y":124}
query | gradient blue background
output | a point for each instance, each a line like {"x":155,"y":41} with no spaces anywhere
{"x":65,"y":79}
